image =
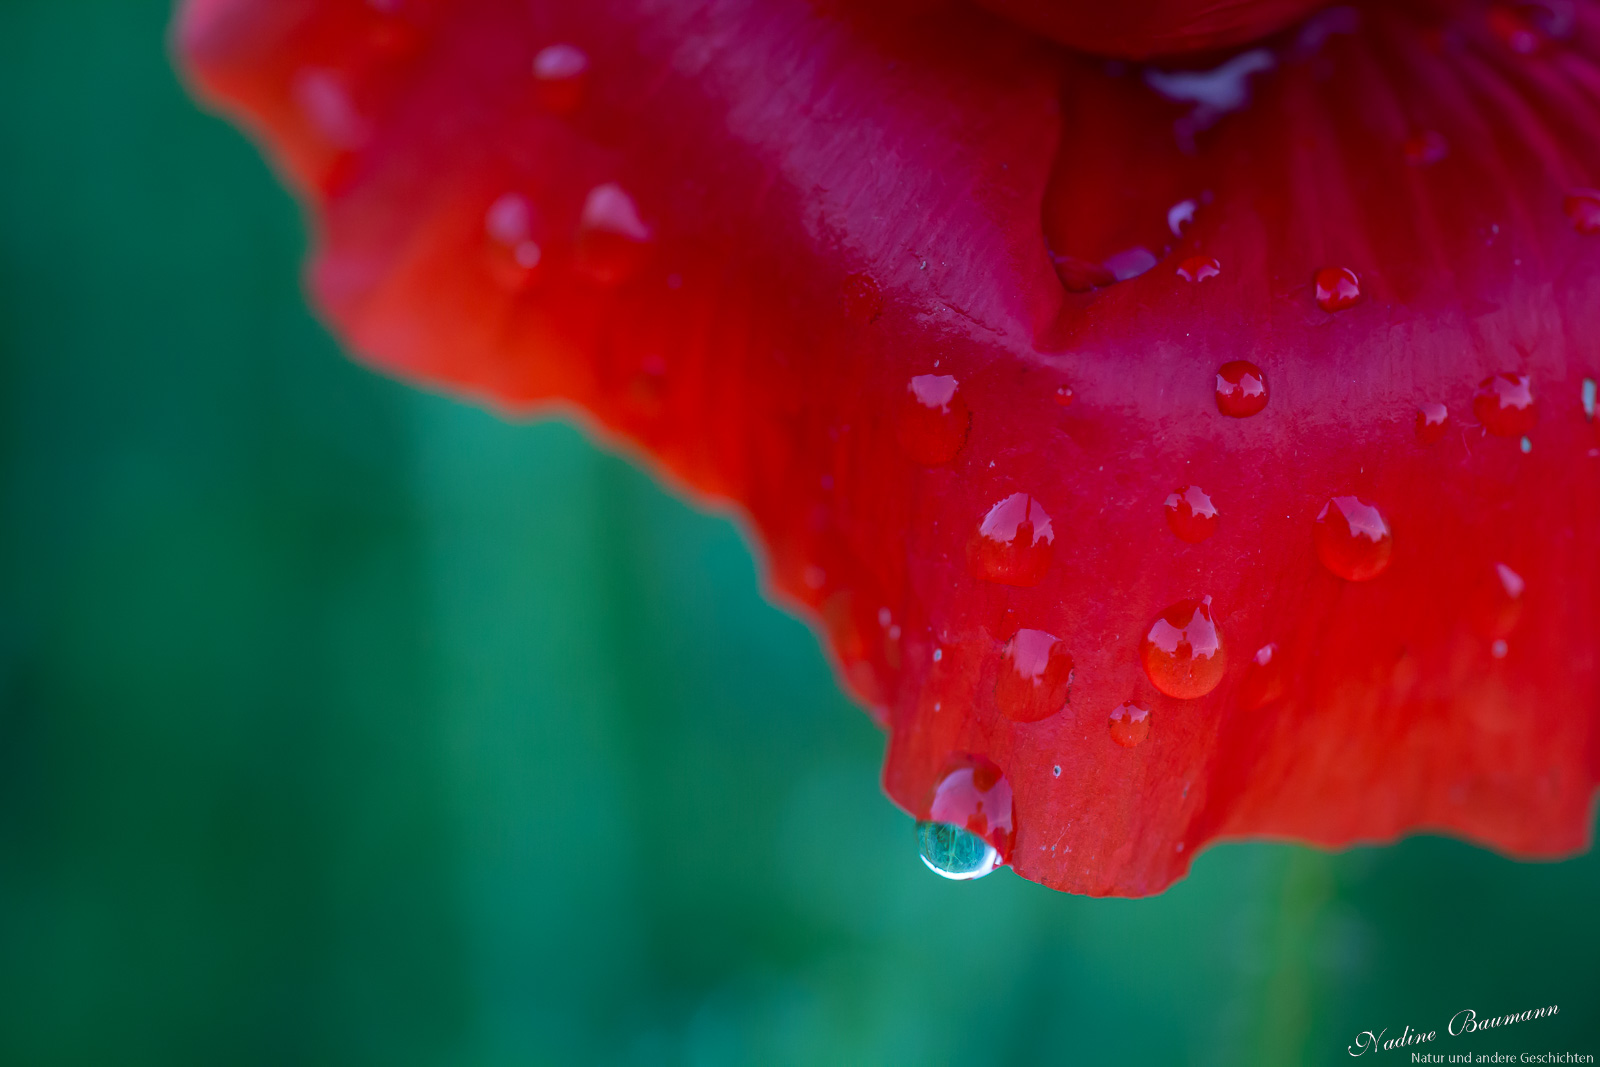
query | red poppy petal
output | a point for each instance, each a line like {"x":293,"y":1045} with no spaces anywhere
{"x":816,"y":261}
{"x":1155,"y":27}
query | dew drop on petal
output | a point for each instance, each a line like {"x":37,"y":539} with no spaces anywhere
{"x":612,"y":239}
{"x":1199,"y":268}
{"x":1425,"y":148}
{"x":1337,"y":288}
{"x":863,"y":299}
{"x":1498,"y":649}
{"x":560,"y":74}
{"x":1433,"y":419}
{"x":514,"y":255}
{"x":1182,"y":653}
{"x":1130,"y":263}
{"x":1586,"y":397}
{"x":1035,"y":677}
{"x":1498,"y":605}
{"x":933,"y":420}
{"x":1504,"y":404}
{"x":1180,"y":215}
{"x":954,"y":853}
{"x":1130,"y":724}
{"x":326,"y":102}
{"x":1353,"y":540}
{"x":1191,"y":514}
{"x":1263,"y":678}
{"x":973,"y":799}
{"x":1064,"y":395}
{"x":1013,"y":543}
{"x":1241,"y":389}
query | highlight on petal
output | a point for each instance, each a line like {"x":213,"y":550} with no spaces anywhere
{"x":946,"y":311}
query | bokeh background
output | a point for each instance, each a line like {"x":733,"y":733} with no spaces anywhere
{"x":345,"y":724}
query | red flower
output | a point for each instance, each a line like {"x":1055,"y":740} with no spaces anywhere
{"x":959,"y":318}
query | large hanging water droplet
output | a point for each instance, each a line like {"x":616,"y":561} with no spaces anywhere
{"x":1352,"y":539}
{"x":1182,"y":653}
{"x":934,"y":419}
{"x":1013,"y":543}
{"x":560,"y":75}
{"x":971,"y":806}
{"x":1241,"y":389}
{"x":613,"y":240}
{"x":1191,"y":514}
{"x":1337,"y":288}
{"x":1504,"y":404}
{"x":1035,"y":677}
{"x":1583,"y":210}
{"x":1199,"y":268}
{"x":515,"y":257}
{"x":954,"y":853}
{"x":1263,"y":679}
{"x":1129,"y":725}
{"x":1433,"y":419}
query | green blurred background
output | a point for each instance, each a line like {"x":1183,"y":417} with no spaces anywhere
{"x":344,"y":724}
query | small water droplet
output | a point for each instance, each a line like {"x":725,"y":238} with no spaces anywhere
{"x":612,"y":239}
{"x":1426,"y":148}
{"x":1526,"y":444}
{"x":1035,"y":677}
{"x":1498,"y":603}
{"x":1182,"y":653}
{"x":1586,"y":396}
{"x":1130,"y":263}
{"x":560,"y":75}
{"x":1180,"y":215}
{"x":1352,"y":539}
{"x":1191,"y":514}
{"x":1056,"y":770}
{"x":934,"y":419}
{"x":1064,"y":395}
{"x":863,"y":299}
{"x":514,"y":255}
{"x":327,"y":103}
{"x":1337,"y":288}
{"x":938,"y":654}
{"x":1504,"y":404}
{"x":1433,"y":419}
{"x":1130,"y":724}
{"x":1263,"y":679}
{"x":969,"y":828}
{"x":1499,"y":649}
{"x":1241,"y":389}
{"x":1013,"y":543}
{"x":1199,"y":268}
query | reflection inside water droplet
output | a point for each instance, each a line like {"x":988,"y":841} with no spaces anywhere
{"x":1182,"y":652}
{"x":954,"y":853}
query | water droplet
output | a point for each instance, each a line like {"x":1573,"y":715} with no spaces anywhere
{"x":1056,"y":770}
{"x":1180,"y":215}
{"x":938,"y":654}
{"x":1504,"y":404}
{"x":1337,"y":288}
{"x":1263,"y":679}
{"x":1499,"y":649}
{"x":560,"y":75}
{"x":1130,"y":724}
{"x":514,"y":256}
{"x":1498,"y":605}
{"x":326,"y":102}
{"x":1199,"y":268}
{"x":1433,"y":419}
{"x":1526,"y":444}
{"x":1241,"y":389}
{"x":954,"y":853}
{"x":1352,"y":539}
{"x":1587,"y":398}
{"x":1191,"y":514}
{"x":1035,"y":677}
{"x":1130,"y":263}
{"x":1514,"y":31}
{"x":934,"y":420}
{"x":1426,"y":148}
{"x":863,"y":299}
{"x":612,"y":239}
{"x":974,"y":800}
{"x":1012,"y":545}
{"x":1183,"y":652}
{"x":1064,"y":395}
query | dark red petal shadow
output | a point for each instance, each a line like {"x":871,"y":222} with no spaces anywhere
{"x":744,"y":234}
